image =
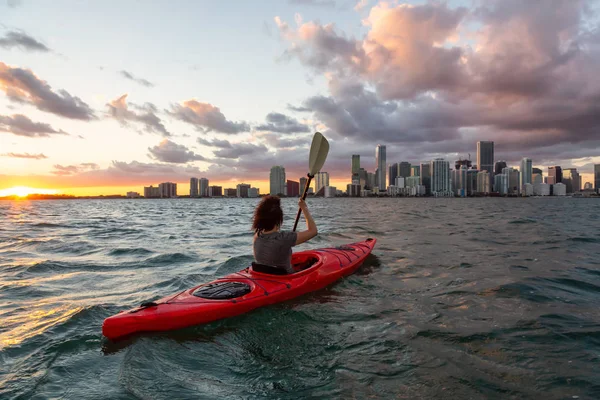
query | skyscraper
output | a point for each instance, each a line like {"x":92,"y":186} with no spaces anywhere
{"x":393,"y":170}
{"x":425,"y":175}
{"x":193,"y":187}
{"x":512,"y":181}
{"x":293,"y":188}
{"x":241,"y":190}
{"x":321,"y":180}
{"x":415,"y":170}
{"x":277,"y":181}
{"x":302,"y":185}
{"x":404,"y":169}
{"x":485,"y":157}
{"x":572,"y":180}
{"x":440,"y":177}
{"x":167,"y":189}
{"x":380,"y":161}
{"x":596,"y":176}
{"x":554,"y":174}
{"x":483,"y":182}
{"x":203,"y":192}
{"x":526,"y":171}
{"x":355,"y":163}
{"x":498,"y":167}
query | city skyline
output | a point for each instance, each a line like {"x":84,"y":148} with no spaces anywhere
{"x":86,"y":111}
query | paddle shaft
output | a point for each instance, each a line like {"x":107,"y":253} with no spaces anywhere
{"x":303,"y":198}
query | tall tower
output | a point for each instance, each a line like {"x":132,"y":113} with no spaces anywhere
{"x":485,"y":157}
{"x":355,"y":163}
{"x":203,"y":187}
{"x":380,"y":161}
{"x":321,"y":180}
{"x":193,"y":187}
{"x":440,"y":177}
{"x":277,"y":181}
{"x":596,"y":176}
{"x":393,"y":174}
{"x":555,"y":174}
{"x":526,"y":171}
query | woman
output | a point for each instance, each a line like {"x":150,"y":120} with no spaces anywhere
{"x":273,"y":247}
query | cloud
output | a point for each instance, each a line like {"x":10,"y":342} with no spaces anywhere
{"x":23,"y":41}
{"x":22,"y":86}
{"x":281,"y":123}
{"x":25,"y":155}
{"x":67,"y":170}
{"x":229,"y":150}
{"x":437,"y":79}
{"x":146,"y":115}
{"x":14,"y":3}
{"x":141,"y":81}
{"x":315,"y":3}
{"x":21,"y":125}
{"x":206,"y":118}
{"x":167,"y":151}
{"x":361,"y":4}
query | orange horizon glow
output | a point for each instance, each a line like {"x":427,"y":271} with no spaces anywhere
{"x":24,"y":191}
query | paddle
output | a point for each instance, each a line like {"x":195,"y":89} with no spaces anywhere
{"x":318,"y":154}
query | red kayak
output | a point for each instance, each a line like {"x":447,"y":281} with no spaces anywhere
{"x":240,"y":292}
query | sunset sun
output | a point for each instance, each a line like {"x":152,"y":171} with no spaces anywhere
{"x":24,"y":191}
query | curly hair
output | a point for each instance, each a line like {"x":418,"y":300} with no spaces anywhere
{"x":268,"y":214}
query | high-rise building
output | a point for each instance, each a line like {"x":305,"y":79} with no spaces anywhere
{"x":426,"y":176}
{"x":526,"y":171}
{"x":353,"y":190}
{"x":215,"y":191}
{"x":151,"y":192}
{"x":536,"y":171}
{"x":415,"y":170}
{"x":167,"y":189}
{"x":241,"y":190}
{"x":485,"y":157}
{"x":277,"y":181}
{"x":559,"y":189}
{"x":203,"y":183}
{"x":498,"y":167}
{"x":363,"y":177}
{"x":400,"y":182}
{"x":293,"y":188}
{"x":460,"y":162}
{"x":193,"y":187}
{"x":355,"y":163}
{"x":371,"y":181}
{"x":380,"y":161}
{"x":501,"y":184}
{"x":572,"y":180}
{"x":554,"y":174}
{"x":483,"y":182}
{"x":440,"y":177}
{"x":230,"y":192}
{"x":393,"y":173}
{"x":321,"y":180}
{"x":512,"y":181}
{"x":588,"y":186}
{"x":537,"y":178}
{"x":597,"y":176}
{"x":253,"y":192}
{"x":302,"y":184}
{"x":404,"y":169}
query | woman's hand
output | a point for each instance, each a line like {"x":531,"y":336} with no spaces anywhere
{"x":302,"y":204}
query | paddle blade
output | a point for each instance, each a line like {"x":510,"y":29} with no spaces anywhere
{"x":318,"y":153}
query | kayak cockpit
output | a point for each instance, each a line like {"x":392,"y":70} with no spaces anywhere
{"x":301,"y":263}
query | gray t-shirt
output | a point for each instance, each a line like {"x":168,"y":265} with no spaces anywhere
{"x":275,"y":249}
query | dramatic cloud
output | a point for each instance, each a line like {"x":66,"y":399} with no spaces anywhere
{"x":206,"y":118}
{"x":141,"y":81}
{"x":66,"y":170}
{"x":436,"y":79}
{"x":171,"y":152}
{"x":23,"y":41}
{"x":21,"y":125}
{"x":22,"y":86}
{"x":145,"y":115}
{"x":227,"y":149}
{"x":25,"y":155}
{"x":283,"y":124}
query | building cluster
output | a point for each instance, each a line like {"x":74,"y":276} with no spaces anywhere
{"x":487,"y":177}
{"x":201,"y":188}
{"x":280,"y":186}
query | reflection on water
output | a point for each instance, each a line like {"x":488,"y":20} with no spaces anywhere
{"x":462,"y":298}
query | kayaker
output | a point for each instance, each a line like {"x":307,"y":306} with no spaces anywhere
{"x":273,"y":247}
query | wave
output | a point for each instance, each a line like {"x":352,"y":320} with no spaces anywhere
{"x":129,"y":251}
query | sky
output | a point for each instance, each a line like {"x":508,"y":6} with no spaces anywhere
{"x":107,"y":97}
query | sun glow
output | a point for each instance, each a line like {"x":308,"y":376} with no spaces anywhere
{"x":24,"y":191}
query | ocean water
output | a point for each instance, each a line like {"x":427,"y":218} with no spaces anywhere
{"x":461,"y":298}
